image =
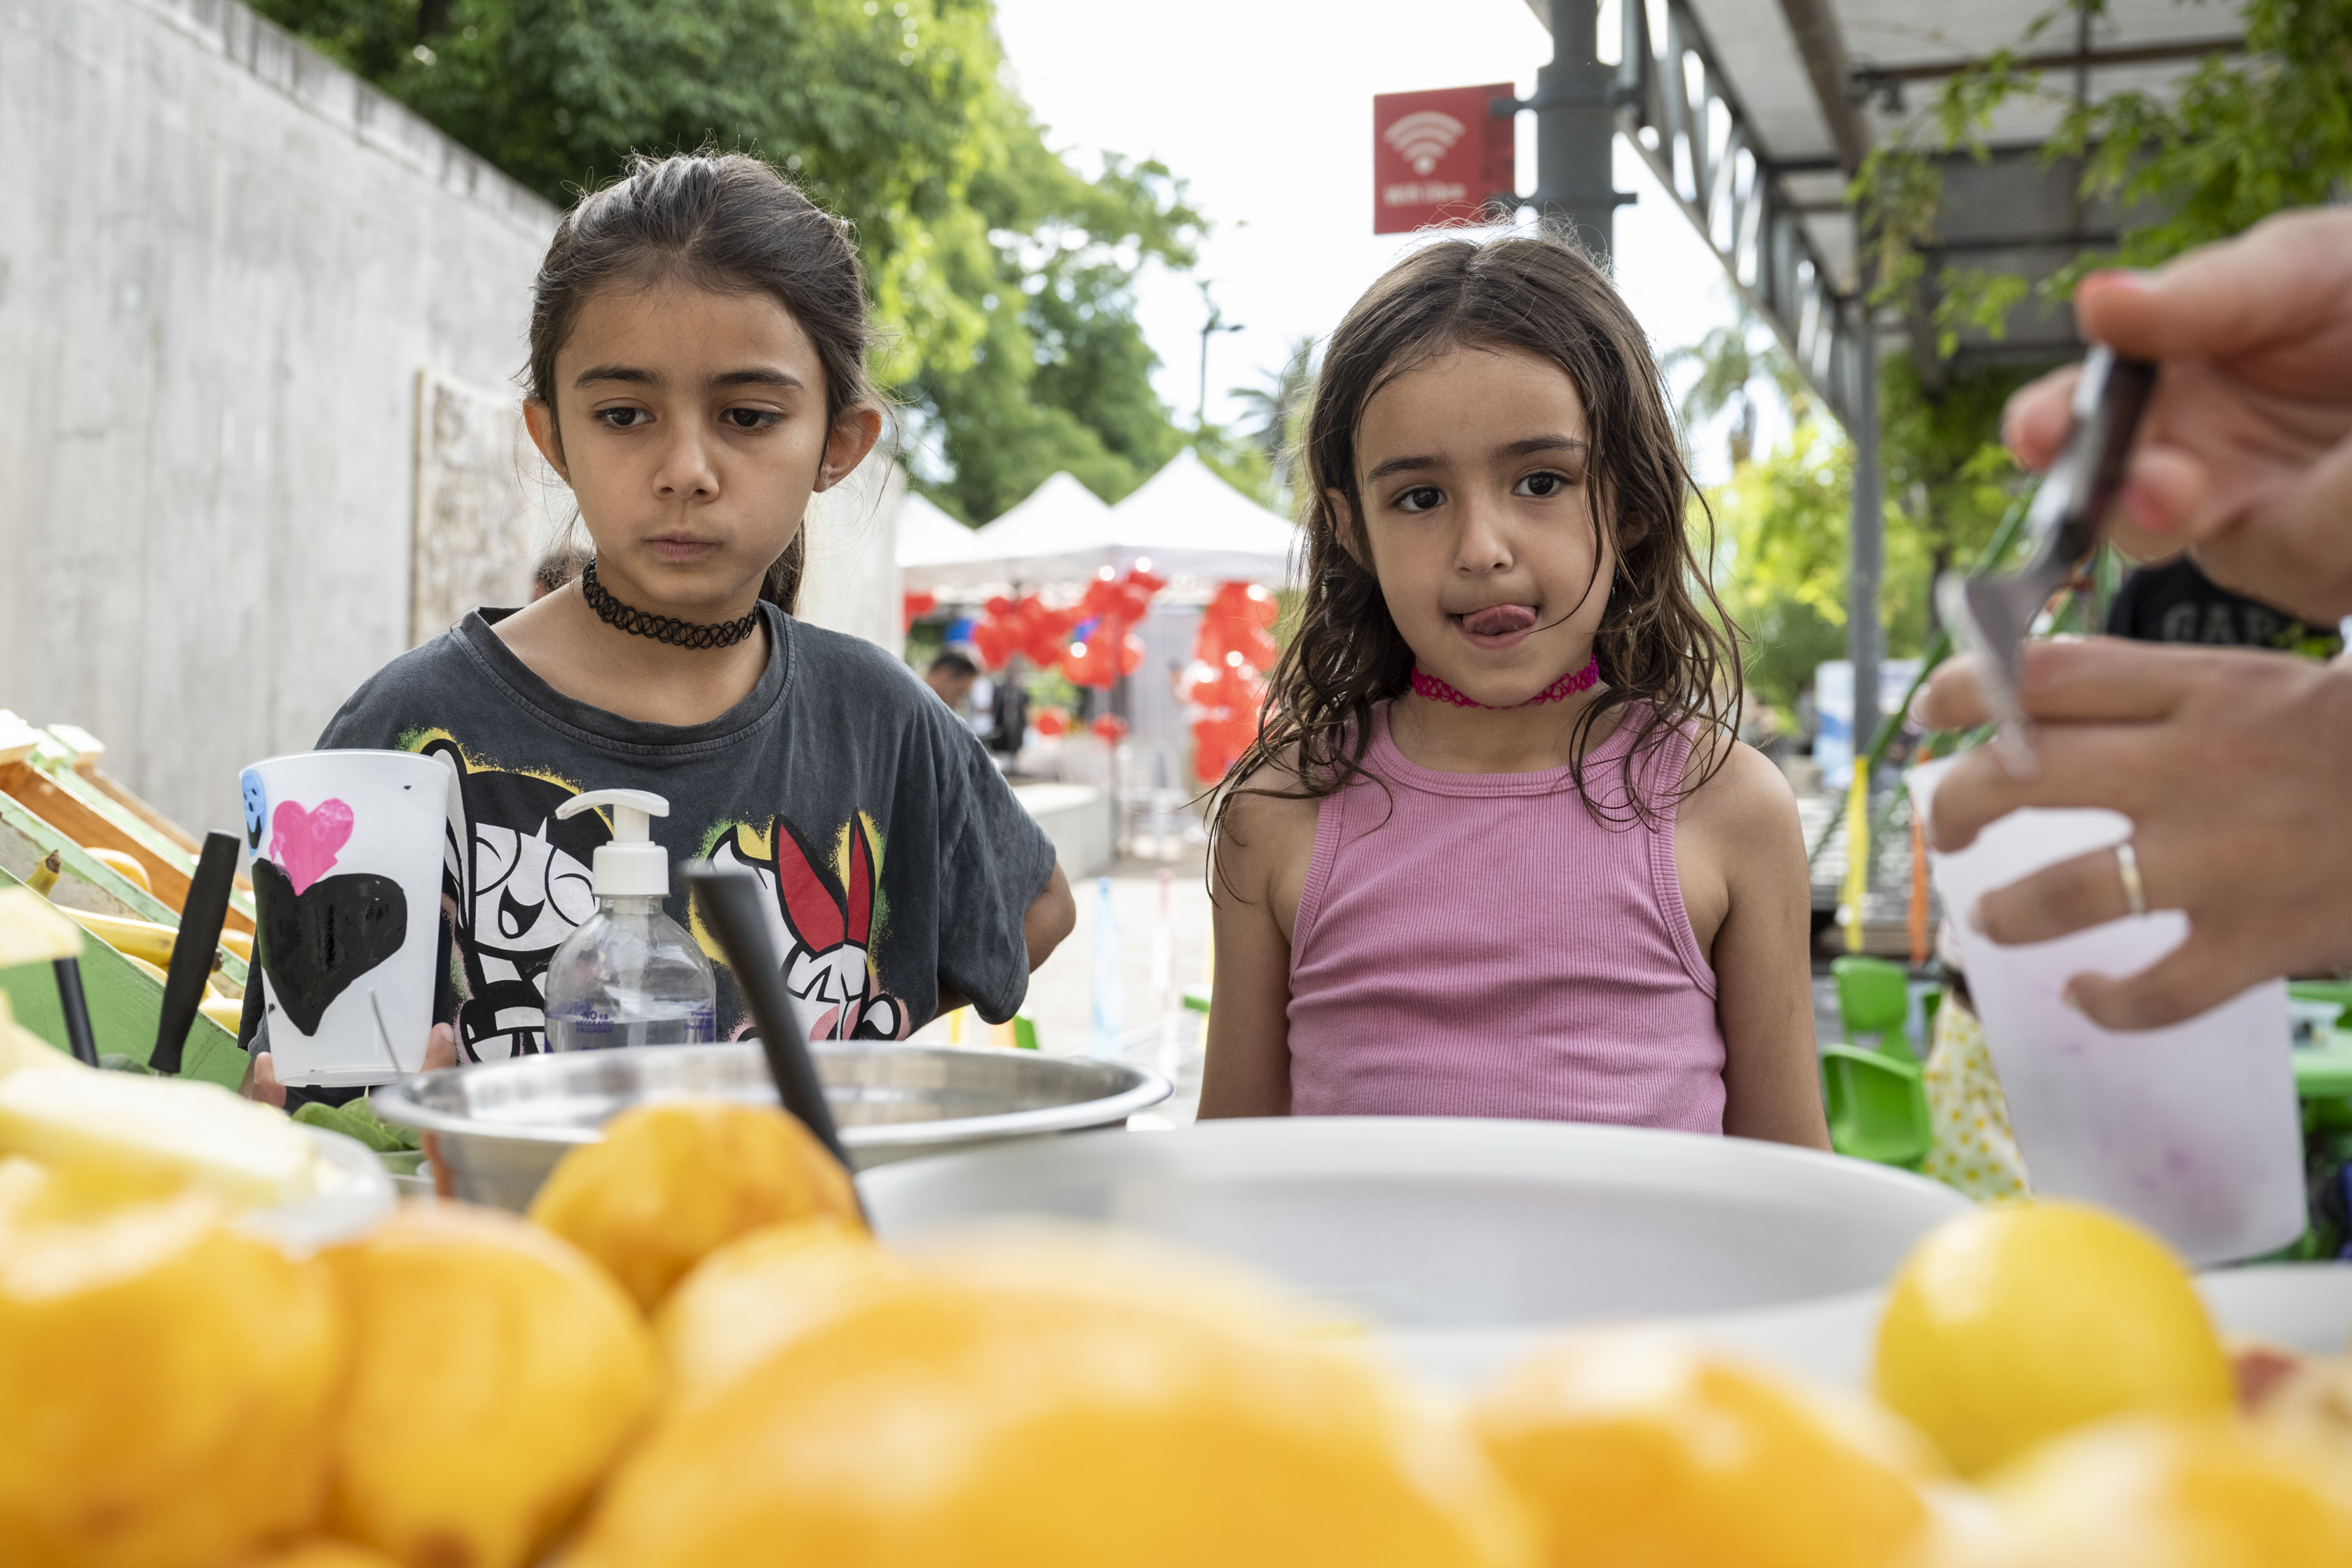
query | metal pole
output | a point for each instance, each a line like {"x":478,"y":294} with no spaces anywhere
{"x":1576,"y":129}
{"x":1866,"y":563}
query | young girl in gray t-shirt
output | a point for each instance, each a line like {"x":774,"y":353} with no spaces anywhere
{"x":697,"y":344}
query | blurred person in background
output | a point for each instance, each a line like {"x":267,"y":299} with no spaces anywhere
{"x":951,"y":676}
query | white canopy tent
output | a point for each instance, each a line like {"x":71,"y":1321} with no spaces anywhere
{"x":929,"y":538}
{"x":1184,"y":520}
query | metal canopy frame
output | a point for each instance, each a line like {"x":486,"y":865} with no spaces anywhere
{"x":1677,"y":112}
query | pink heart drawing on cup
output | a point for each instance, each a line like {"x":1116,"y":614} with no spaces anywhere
{"x":307,"y":841}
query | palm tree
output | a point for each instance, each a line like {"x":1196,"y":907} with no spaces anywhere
{"x":1278,"y":404}
{"x":1729,"y":363}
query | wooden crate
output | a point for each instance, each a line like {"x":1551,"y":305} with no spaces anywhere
{"x":125,"y":1004}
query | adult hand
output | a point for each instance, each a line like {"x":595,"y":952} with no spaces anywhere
{"x":2245,"y":452}
{"x":2235,"y":767}
{"x":261,"y":1074}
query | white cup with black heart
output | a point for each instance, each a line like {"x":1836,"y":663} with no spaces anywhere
{"x":347,"y":855}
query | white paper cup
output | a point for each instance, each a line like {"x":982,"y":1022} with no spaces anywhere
{"x":347,"y":882}
{"x":2194,"y":1130}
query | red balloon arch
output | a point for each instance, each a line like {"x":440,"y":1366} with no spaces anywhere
{"x":1093,"y":643}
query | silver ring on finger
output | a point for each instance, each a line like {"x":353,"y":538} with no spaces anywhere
{"x":2127,"y":872}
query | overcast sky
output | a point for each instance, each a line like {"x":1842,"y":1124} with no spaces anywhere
{"x":1265,"y":108}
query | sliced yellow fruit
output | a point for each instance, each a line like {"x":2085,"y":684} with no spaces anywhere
{"x":168,"y":1379}
{"x":1629,"y":1446}
{"x":158,"y":1132}
{"x":32,"y":930}
{"x":762,"y":1290}
{"x":495,"y":1373}
{"x":669,"y":1184}
{"x":1051,"y":1408}
{"x":2144,"y":1492}
{"x":21,"y":1048}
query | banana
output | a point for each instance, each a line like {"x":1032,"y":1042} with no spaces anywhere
{"x":45,"y":875}
{"x":239,"y":943}
{"x":161,"y":978}
{"x":126,"y":867}
{"x":228,"y":1012}
{"x":145,"y":941}
{"x":133,"y":939}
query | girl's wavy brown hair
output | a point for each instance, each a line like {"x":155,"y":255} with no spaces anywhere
{"x":1667,"y":652}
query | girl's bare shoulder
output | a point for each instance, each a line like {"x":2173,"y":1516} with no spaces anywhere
{"x":1732,"y":788}
{"x":1266,"y":822}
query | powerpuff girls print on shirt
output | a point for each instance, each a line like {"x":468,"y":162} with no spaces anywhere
{"x":893,"y":854}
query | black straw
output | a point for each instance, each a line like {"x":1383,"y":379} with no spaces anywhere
{"x":193,"y":949}
{"x":76,"y":1008}
{"x":730,"y":903}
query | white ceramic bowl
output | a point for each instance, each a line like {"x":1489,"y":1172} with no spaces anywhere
{"x":1427,"y":1227}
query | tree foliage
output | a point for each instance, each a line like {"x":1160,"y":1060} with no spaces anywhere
{"x":1949,"y":477}
{"x":2234,"y":139}
{"x":1276,"y":417}
{"x":1006,"y":277}
{"x":1780,"y":566}
{"x":2238,"y":138}
{"x":1785,"y":522}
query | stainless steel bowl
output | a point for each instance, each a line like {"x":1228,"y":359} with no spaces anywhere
{"x":495,"y":1131}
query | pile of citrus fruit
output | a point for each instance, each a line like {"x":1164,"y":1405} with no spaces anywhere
{"x":693,"y":1356}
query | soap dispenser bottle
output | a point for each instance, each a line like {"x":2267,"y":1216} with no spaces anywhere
{"x":630,"y":975}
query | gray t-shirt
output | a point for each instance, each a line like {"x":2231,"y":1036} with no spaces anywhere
{"x":894,"y":853}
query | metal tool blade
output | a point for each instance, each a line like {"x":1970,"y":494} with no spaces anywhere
{"x":1994,"y":613}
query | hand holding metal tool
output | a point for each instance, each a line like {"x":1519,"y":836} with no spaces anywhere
{"x":1994,"y":613}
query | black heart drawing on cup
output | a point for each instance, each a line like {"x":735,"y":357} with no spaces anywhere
{"x":314,"y":943}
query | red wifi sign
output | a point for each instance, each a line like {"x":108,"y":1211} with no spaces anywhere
{"x":1439,"y":156}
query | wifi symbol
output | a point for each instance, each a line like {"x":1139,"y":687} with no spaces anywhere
{"x":1424,"y":138}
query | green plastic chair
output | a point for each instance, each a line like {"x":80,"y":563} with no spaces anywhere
{"x":1873,"y":998}
{"x":1876,"y":1100}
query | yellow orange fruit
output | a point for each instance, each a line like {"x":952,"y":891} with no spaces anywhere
{"x":1063,"y":1411}
{"x":670,"y":1183}
{"x":495,"y":1374}
{"x":2149,"y":1493}
{"x":323,"y":1552}
{"x":2010,"y":1326}
{"x":760,"y":1291}
{"x":164,"y":1380}
{"x":1635,"y":1447}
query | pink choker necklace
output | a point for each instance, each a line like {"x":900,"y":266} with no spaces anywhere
{"x":1429,"y":686}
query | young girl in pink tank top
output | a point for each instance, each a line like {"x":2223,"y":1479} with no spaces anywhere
{"x":1495,"y":851}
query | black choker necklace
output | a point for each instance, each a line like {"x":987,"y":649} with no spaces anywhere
{"x":661,"y":628}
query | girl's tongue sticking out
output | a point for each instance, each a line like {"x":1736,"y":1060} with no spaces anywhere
{"x":1499,"y":620}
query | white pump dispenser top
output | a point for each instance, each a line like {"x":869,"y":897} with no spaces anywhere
{"x":631,"y":865}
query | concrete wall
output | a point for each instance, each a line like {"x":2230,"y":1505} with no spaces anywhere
{"x":224,"y":264}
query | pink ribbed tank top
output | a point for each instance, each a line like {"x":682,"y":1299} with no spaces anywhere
{"x":1476,"y":944}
